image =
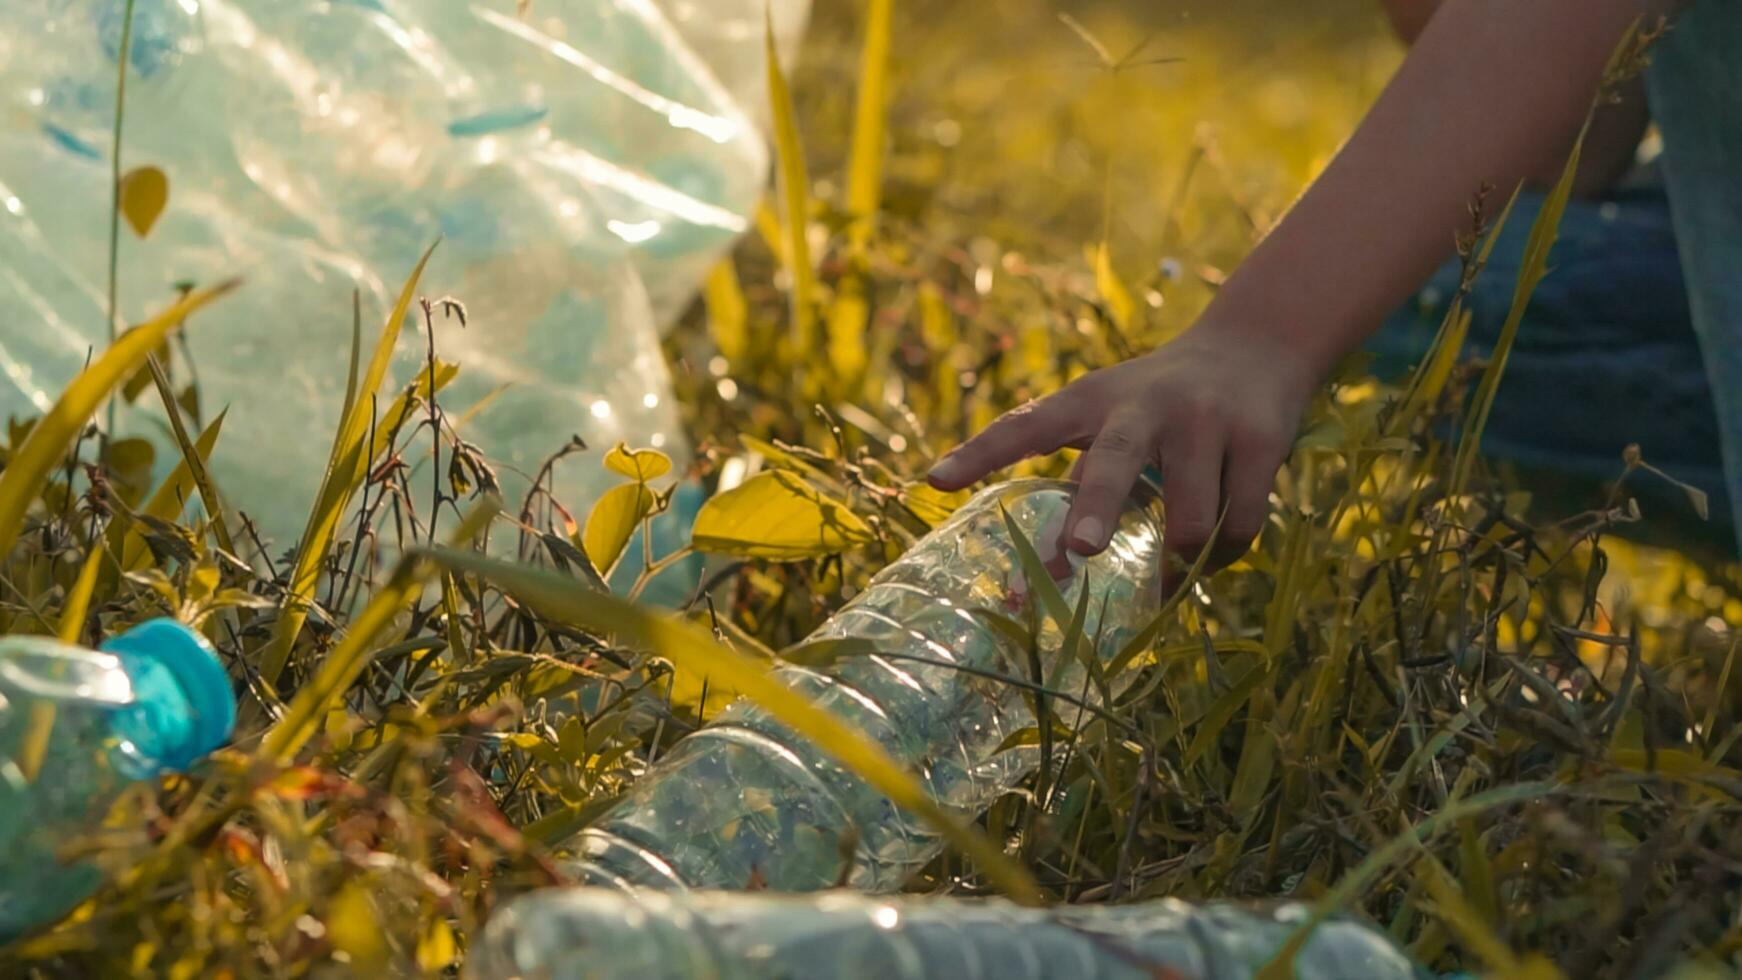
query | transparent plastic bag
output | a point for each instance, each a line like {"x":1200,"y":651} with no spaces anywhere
{"x":581,"y":164}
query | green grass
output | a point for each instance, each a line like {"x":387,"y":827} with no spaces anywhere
{"x":1502,"y":735}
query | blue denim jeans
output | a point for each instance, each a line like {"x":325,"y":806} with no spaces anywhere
{"x":1635,"y":337}
{"x":1695,"y":86}
{"x":1606,"y":357}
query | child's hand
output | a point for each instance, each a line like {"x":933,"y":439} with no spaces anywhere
{"x":1216,"y":411}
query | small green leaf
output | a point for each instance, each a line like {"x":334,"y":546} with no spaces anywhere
{"x":779,"y":516}
{"x":641,"y":465}
{"x":613,"y":522}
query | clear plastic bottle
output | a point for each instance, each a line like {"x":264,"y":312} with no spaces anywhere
{"x":90,"y":723}
{"x":746,"y":800}
{"x":601,"y":934}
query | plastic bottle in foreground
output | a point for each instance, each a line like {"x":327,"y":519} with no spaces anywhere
{"x":599,"y":934}
{"x":77,"y":727}
{"x":746,"y":800}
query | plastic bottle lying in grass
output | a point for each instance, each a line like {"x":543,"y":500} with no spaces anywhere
{"x":601,"y":934}
{"x":77,"y":727}
{"x":923,"y":657}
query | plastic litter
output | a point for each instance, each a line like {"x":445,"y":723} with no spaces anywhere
{"x":77,"y":727}
{"x":581,"y":164}
{"x":601,"y":934}
{"x":746,"y":800}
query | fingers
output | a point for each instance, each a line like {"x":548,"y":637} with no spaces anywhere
{"x":1191,"y":494}
{"x":1248,"y":476}
{"x":1034,"y":429}
{"x":1124,"y":446}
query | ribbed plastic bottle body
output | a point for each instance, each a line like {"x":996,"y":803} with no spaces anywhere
{"x":77,"y":727}
{"x":746,"y":800}
{"x":598,"y":934}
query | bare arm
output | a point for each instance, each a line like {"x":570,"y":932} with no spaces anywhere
{"x":1409,"y":17}
{"x":1492,"y":91}
{"x":1611,"y":144}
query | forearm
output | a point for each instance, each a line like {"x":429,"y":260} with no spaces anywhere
{"x":1493,"y":91}
{"x":1613,"y":139}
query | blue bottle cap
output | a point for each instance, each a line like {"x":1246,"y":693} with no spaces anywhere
{"x":193,"y":664}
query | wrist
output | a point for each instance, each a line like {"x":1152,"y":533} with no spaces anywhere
{"x":1275,"y":342}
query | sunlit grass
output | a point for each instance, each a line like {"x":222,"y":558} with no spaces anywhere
{"x":1408,"y":703}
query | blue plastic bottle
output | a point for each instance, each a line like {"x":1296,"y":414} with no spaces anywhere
{"x":153,"y":700}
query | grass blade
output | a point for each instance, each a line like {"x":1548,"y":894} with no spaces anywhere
{"x":28,"y":470}
{"x":865,"y":173}
{"x":336,"y":674}
{"x":165,"y":504}
{"x":346,"y":471}
{"x":727,"y":312}
{"x":851,"y":311}
{"x":1532,"y":269}
{"x":795,"y":196}
{"x":1381,"y":858}
{"x":190,"y":456}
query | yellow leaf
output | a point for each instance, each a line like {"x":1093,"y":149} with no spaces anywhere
{"x":777,"y":515}
{"x":436,"y":949}
{"x":933,"y":506}
{"x":202,"y":581}
{"x":144,"y":192}
{"x":613,"y":522}
{"x":42,"y":450}
{"x":353,"y":928}
{"x":640,"y":465}
{"x":688,"y":646}
{"x":727,"y":312}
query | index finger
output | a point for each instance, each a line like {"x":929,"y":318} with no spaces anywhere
{"x":1034,"y":429}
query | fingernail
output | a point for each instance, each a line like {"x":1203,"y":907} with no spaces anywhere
{"x":946,"y":470}
{"x":1090,"y":533}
